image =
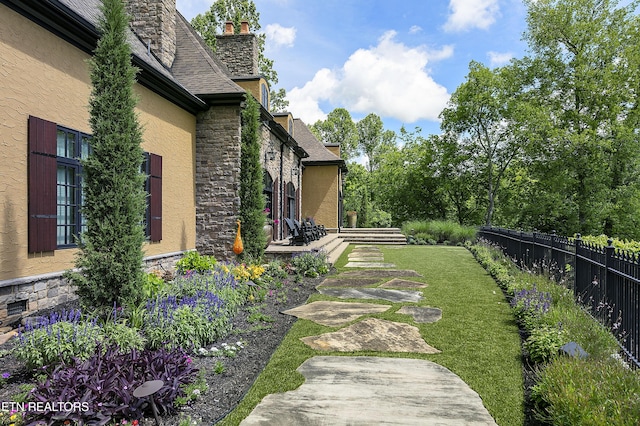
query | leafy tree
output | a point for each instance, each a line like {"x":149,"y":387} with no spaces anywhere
{"x":338,"y":128}
{"x":585,"y":81}
{"x":478,"y":113}
{"x":356,"y":188}
{"x":405,"y":182}
{"x":212,"y":23}
{"x":370,"y":131}
{"x":252,"y":203}
{"x":111,"y":254}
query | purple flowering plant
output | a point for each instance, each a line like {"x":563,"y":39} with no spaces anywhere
{"x":529,"y":305}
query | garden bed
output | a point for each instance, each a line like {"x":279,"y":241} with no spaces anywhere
{"x":259,"y":327}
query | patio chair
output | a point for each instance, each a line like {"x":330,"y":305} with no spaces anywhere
{"x":296,"y":236}
{"x":321,"y":228}
{"x":307,"y":230}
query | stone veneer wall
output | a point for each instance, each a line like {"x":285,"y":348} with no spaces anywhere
{"x":239,"y":52}
{"x":289,"y":160}
{"x":50,"y":290}
{"x":217,"y":180}
{"x":155,"y":20}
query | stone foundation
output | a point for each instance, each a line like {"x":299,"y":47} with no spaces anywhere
{"x":49,"y":290}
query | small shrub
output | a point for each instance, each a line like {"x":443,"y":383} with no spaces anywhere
{"x":439,"y":231}
{"x":529,"y":305}
{"x":104,"y":384}
{"x":573,"y":391}
{"x":193,"y":261}
{"x":60,"y":337}
{"x":188,"y":322}
{"x":152,"y":285}
{"x":310,"y":264}
{"x":544,"y":342}
{"x":122,"y":336}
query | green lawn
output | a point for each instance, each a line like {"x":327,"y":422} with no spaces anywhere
{"x":477,"y":334}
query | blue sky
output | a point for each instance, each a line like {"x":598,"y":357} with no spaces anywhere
{"x":400,"y":59}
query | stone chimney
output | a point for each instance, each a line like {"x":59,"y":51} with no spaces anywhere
{"x":155,"y":23}
{"x":239,"y":52}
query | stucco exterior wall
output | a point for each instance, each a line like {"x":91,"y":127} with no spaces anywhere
{"x":320,"y":198}
{"x":46,"y":77}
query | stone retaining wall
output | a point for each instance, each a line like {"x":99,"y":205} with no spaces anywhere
{"x":49,"y":290}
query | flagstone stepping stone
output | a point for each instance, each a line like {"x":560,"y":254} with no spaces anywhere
{"x":362,"y":252}
{"x":372,"y":334}
{"x":366,"y":259}
{"x":348,"y":282}
{"x":398,"y":283}
{"x":422,"y":314}
{"x":367,"y":390}
{"x":369,"y":265}
{"x":335,"y":314}
{"x":382,"y":273}
{"x":395,"y":296}
{"x":365,"y":248}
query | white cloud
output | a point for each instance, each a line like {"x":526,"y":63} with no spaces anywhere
{"x":389,"y":79}
{"x":497,"y":59}
{"x":415,"y":29}
{"x":278,"y":35}
{"x":468,"y":14}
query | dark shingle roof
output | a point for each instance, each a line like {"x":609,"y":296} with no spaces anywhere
{"x":196,"y":74}
{"x":196,"y":66}
{"x":318,"y":153}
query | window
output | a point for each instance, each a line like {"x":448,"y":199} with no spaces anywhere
{"x":268,"y":194}
{"x":290,"y":126}
{"x":291,"y":201}
{"x":71,"y":146}
{"x":55,"y":187}
{"x":264,"y":96}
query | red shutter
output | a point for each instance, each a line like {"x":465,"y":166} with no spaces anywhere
{"x":275,"y":205}
{"x":42,"y":185}
{"x":155,"y":197}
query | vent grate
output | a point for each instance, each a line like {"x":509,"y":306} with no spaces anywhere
{"x":16,"y":308}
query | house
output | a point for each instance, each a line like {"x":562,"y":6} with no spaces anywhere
{"x":190,"y":103}
{"x":323,"y":176}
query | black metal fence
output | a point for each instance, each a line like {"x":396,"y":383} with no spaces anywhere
{"x":604,"y":279}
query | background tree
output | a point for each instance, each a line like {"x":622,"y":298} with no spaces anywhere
{"x":252,"y":203}
{"x":405,"y":183}
{"x":585,"y":80}
{"x":110,"y":256}
{"x":212,"y":23}
{"x":370,"y":130}
{"x":478,"y":113}
{"x":338,"y":128}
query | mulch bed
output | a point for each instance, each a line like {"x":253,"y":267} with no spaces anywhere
{"x":227,"y":389}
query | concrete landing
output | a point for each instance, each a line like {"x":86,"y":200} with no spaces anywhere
{"x":373,"y":391}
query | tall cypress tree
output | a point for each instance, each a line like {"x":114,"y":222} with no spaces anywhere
{"x":252,"y":201}
{"x":114,"y":197}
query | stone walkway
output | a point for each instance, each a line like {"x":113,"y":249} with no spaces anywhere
{"x":357,"y":390}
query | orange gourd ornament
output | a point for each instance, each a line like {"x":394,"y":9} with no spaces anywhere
{"x":237,"y":245}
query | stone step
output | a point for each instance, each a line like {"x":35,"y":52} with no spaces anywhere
{"x":335,"y":254}
{"x":370,"y":231}
{"x":375,"y":238}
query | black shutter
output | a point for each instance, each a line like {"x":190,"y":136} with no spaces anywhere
{"x":42,"y":185}
{"x":155,"y":197}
